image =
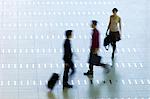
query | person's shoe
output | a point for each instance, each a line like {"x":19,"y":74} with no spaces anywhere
{"x":89,"y":73}
{"x":67,"y":86}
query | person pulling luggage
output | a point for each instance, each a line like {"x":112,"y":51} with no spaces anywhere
{"x":68,"y":62}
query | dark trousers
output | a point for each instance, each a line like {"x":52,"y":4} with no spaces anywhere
{"x":66,"y":71}
{"x":90,"y":65}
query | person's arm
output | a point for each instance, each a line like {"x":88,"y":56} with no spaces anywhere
{"x":67,"y":51}
{"x":120,"y":25}
{"x":96,"y":50}
{"x":108,"y":25}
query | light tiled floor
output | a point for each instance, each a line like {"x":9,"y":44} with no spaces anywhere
{"x":31,"y":38}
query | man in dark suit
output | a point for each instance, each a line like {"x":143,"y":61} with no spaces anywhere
{"x":68,"y":59}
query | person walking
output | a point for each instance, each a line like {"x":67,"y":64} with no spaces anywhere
{"x":114,"y":29}
{"x":68,"y":62}
{"x":94,"y":46}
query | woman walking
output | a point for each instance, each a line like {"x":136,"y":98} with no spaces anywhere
{"x":114,"y":28}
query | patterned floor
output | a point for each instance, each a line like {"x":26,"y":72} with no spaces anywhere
{"x":31,"y":38}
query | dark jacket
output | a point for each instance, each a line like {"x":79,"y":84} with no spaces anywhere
{"x":67,"y":51}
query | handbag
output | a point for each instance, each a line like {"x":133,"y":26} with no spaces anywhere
{"x":107,"y":41}
{"x":95,"y":59}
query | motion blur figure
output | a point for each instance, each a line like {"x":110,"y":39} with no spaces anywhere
{"x":94,"y":46}
{"x":68,"y":62}
{"x":114,"y":29}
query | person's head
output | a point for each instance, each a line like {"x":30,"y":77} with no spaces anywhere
{"x":115,"y":10}
{"x":94,"y":24}
{"x":69,"y":34}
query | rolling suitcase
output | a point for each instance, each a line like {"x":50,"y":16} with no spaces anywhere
{"x":53,"y":80}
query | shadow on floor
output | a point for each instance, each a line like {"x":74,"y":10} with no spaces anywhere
{"x":51,"y":95}
{"x":111,"y":79}
{"x":93,"y":89}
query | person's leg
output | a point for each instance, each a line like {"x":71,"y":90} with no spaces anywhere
{"x":114,"y":48}
{"x":72,"y":67}
{"x":65,"y":77}
{"x":90,"y":71}
{"x":90,"y":67}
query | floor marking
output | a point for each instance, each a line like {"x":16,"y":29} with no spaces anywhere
{"x":34,"y":82}
{"x":141,"y":65}
{"x":142,"y":81}
{"x":59,"y":82}
{"x":2,"y":83}
{"x":148,"y":81}
{"x":72,"y":82}
{"x":15,"y":83}
{"x":123,"y":65}
{"x":21,"y":83}
{"x":79,"y":82}
{"x":129,"y":50}
{"x":123,"y":50}
{"x":81,"y":64}
{"x":117,"y":64}
{"x":27,"y":82}
{"x":40,"y":82}
{"x":134,"y":50}
{"x":8,"y":82}
{"x":129,"y":65}
{"x":129,"y":81}
{"x":135,"y":65}
{"x":85,"y":82}
{"x":97,"y":81}
{"x":135,"y":82}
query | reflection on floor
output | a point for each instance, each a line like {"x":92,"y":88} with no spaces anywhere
{"x":31,"y":37}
